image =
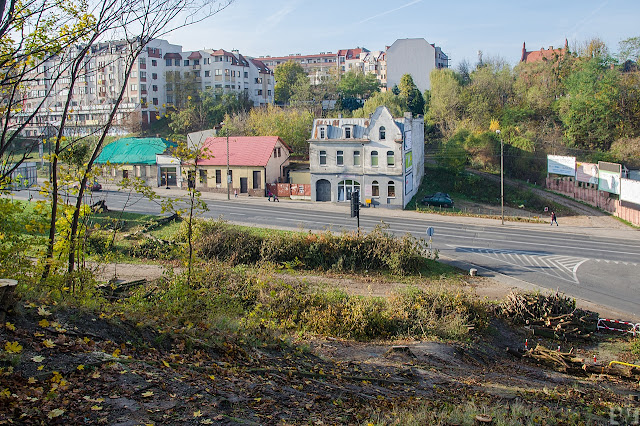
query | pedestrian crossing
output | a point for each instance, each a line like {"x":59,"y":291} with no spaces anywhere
{"x":557,"y":266}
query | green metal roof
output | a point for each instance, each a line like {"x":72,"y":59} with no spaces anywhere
{"x":133,"y":151}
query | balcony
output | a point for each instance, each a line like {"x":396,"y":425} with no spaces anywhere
{"x":196,"y":67}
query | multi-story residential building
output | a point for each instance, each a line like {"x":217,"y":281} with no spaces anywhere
{"x":413,"y":56}
{"x":381,"y":156}
{"x":228,"y":72}
{"x":350,"y":59}
{"x":150,"y":89}
{"x":318,"y":66}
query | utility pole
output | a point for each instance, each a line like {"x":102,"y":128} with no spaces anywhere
{"x":228,"y":176}
{"x":501,"y":174}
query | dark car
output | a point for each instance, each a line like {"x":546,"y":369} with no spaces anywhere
{"x":439,"y":199}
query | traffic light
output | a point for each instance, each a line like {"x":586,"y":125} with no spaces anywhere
{"x":355,"y":204}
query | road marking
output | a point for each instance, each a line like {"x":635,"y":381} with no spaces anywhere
{"x":557,"y":266}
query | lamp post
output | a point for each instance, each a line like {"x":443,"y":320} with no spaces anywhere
{"x":226,"y":131}
{"x":501,"y":174}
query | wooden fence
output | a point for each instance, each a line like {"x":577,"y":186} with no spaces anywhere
{"x":591,"y":195}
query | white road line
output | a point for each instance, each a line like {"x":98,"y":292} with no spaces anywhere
{"x":575,"y":271}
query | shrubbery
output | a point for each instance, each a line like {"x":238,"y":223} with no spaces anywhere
{"x":375,"y":251}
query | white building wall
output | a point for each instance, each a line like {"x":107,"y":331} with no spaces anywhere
{"x":410,"y":56}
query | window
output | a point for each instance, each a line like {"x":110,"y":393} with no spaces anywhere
{"x":375,"y":189}
{"x":218,"y":176}
{"x":340,"y":158}
{"x":154,"y":76}
{"x":256,"y":180}
{"x":322,"y":133}
{"x":176,"y":62}
{"x":391,"y":189}
{"x":134,"y":74}
{"x":383,"y":133}
{"x":186,"y":62}
{"x":207,"y":61}
{"x":356,"y":158}
{"x":246,"y":75}
{"x":169,"y":99}
{"x":155,"y":101}
{"x":390,"y":159}
{"x":218,"y":72}
{"x":143,"y":87}
{"x":323,"y":158}
{"x":347,"y":132}
{"x":346,"y":188}
{"x":154,"y":63}
{"x":134,"y":87}
{"x":279,"y":152}
{"x":203,"y":177}
{"x":374,"y":158}
{"x":258,"y":92}
{"x":207,"y":73}
{"x":143,"y":74}
{"x":196,"y":62}
{"x":154,"y":88}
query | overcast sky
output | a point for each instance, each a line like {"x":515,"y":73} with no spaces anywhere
{"x":460,"y":28}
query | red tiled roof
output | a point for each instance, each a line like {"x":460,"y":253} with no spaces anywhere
{"x":172,"y":56}
{"x":262,"y":68}
{"x":286,"y":58}
{"x":243,"y":150}
{"x":351,"y":53}
{"x":195,"y":55}
{"x":542,"y":54}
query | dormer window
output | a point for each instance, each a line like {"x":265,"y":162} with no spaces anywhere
{"x":383,"y":133}
{"x":323,"y":132}
{"x":348,"y":131}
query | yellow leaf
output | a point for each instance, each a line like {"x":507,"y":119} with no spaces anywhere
{"x":32,"y":380}
{"x":96,"y":375}
{"x":10,"y":326}
{"x":5,"y":393}
{"x":116,"y":353}
{"x":55,"y":413}
{"x":147,"y":394}
{"x":40,"y":368}
{"x":96,"y":408}
{"x":13,"y":347}
{"x":197,"y":413}
{"x":165,"y":363}
{"x":206,"y":422}
{"x":212,"y":377}
{"x":42,"y":310}
{"x":38,"y":334}
{"x":48,"y":343}
{"x":80,"y":367}
{"x":86,"y":339}
{"x":37,"y":358}
{"x":43,"y":323}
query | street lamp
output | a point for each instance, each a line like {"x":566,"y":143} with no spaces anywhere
{"x":226,"y":131}
{"x":501,"y":174}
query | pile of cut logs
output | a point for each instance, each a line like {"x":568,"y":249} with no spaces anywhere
{"x":550,"y":316}
{"x":567,"y":362}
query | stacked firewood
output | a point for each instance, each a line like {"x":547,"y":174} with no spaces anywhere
{"x":552,"y":316}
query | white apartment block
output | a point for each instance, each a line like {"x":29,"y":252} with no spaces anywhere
{"x":414,"y":56}
{"x":147,"y":93}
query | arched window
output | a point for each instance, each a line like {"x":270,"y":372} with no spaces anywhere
{"x":391,"y":189}
{"x":391,"y":161}
{"x":375,"y":189}
{"x":383,"y":133}
{"x":374,"y":158}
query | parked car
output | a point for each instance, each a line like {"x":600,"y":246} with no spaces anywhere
{"x":95,"y":186}
{"x":439,"y":199}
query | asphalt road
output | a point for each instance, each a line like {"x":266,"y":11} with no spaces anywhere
{"x":594,"y":267}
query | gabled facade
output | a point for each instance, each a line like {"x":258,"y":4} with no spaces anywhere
{"x":542,"y":54}
{"x":380,"y":156}
{"x":253,"y":162}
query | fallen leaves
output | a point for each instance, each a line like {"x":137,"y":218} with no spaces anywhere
{"x":147,"y":394}
{"x":13,"y":347}
{"x":37,"y":358}
{"x":10,"y":326}
{"x":48,"y":343}
{"x":55,"y":413}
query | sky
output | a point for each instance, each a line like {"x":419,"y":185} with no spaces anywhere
{"x":461,"y":28}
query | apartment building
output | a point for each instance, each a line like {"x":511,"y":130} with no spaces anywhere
{"x":318,"y":66}
{"x":149,"y":90}
{"x":414,"y":56}
{"x":380,"y":156}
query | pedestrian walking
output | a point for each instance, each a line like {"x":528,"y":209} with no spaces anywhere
{"x":235,"y":193}
{"x":553,"y":218}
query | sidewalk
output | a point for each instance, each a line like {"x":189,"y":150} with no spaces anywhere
{"x":623,"y":232}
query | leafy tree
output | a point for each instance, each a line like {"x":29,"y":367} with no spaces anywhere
{"x":396,"y":104}
{"x":355,"y":84}
{"x":411,"y":94}
{"x":446,"y":106}
{"x":590,"y":110}
{"x":629,"y":49}
{"x":286,"y":76}
{"x":206,"y":110}
{"x":292,"y":125}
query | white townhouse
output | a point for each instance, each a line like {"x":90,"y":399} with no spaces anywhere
{"x":380,"y":156}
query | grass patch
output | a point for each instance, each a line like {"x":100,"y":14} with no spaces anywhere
{"x":470,"y":187}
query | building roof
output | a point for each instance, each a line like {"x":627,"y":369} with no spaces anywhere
{"x":195,"y":55}
{"x":172,"y":56}
{"x":542,"y":54}
{"x":351,"y":53}
{"x":133,"y":151}
{"x":243,"y":150}
{"x":262,"y":68}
